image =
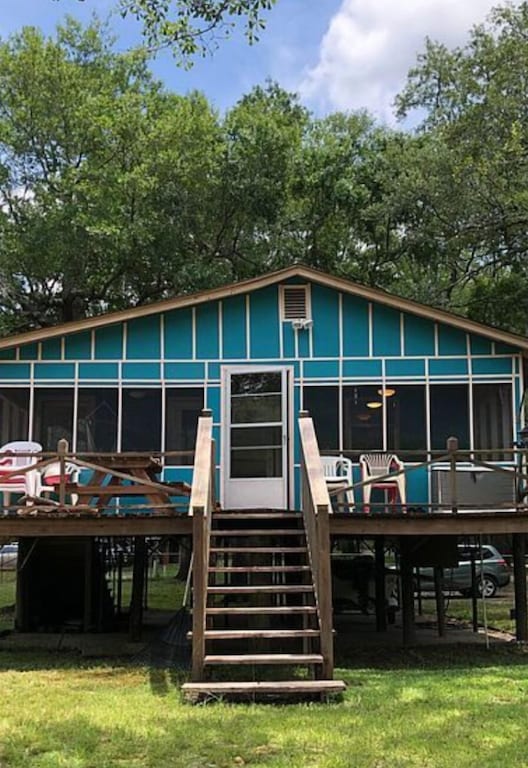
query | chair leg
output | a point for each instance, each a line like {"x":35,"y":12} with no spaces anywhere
{"x":402,"y":493}
{"x":367,"y":490}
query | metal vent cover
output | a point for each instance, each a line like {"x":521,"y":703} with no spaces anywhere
{"x":295,"y":303}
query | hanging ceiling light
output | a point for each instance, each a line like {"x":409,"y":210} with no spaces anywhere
{"x":374,"y":404}
{"x":388,"y":392}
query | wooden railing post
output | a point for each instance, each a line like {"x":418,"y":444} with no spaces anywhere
{"x":452,"y":448}
{"x":316,"y":510}
{"x":324,"y":578}
{"x":201,"y":508}
{"x":199,"y":593}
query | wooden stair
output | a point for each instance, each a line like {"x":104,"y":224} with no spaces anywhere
{"x":261,"y":610}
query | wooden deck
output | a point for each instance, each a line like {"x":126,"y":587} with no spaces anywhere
{"x":436,"y":523}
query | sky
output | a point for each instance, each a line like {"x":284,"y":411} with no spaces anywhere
{"x":337,"y":54}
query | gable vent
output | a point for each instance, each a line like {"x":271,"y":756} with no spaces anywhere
{"x":295,"y":303}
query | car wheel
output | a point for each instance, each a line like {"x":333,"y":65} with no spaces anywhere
{"x":487,"y":586}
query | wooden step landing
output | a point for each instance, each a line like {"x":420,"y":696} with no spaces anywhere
{"x":263,"y":658}
{"x":263,"y":609}
{"x":257,"y":532}
{"x":256,"y":634}
{"x":257,"y":516}
{"x":259,"y":569}
{"x":259,"y":550}
{"x":195,"y":691}
{"x":281,"y":589}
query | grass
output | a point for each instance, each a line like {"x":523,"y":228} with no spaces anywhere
{"x":497,"y":611}
{"x":7,"y":599}
{"x":463,"y":710}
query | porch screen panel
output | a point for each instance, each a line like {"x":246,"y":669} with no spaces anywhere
{"x":97,"y":420}
{"x":449,"y":414}
{"x":53,"y":417}
{"x":256,"y":425}
{"x":406,"y":420}
{"x":493,"y":418}
{"x":362,"y":419}
{"x":14,"y":414}
{"x":322,"y":403}
{"x":141,"y":429}
{"x":183,"y":408}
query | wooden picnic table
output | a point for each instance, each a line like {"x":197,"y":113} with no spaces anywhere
{"x":125,"y":476}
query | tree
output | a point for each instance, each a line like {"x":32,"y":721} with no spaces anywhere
{"x":102,"y":178}
{"x":194,"y":27}
{"x":475,"y":107}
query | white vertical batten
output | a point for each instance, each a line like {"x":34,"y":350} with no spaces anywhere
{"x":370,"y":331}
{"x":436,"y":344}
{"x":428,"y":426}
{"x":39,"y":351}
{"x":119,"y":405}
{"x":124,"y":341}
{"x":384,"y":406}
{"x":73,"y":446}
{"x":163,"y":389}
{"x":92,"y":344}
{"x":340,"y":373}
{"x":220,"y":331}
{"x":470,"y":392}
{"x":402,"y":334}
{"x":248,"y":327}
{"x":193,"y":316}
{"x":63,"y":348}
{"x":31,"y":414}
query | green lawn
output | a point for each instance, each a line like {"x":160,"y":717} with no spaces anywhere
{"x":426,"y":711}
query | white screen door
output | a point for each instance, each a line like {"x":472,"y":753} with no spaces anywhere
{"x":255,"y":437}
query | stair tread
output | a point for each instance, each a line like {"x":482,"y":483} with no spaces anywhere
{"x":257,"y":532}
{"x":264,"y":658}
{"x":262,"y":550}
{"x":259,"y":568}
{"x":257,"y":516}
{"x":268,"y":686}
{"x":247,"y":634}
{"x":262,"y":609}
{"x":274,"y":588}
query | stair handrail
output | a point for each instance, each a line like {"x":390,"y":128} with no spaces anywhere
{"x":202,"y":504}
{"x":316,"y":508}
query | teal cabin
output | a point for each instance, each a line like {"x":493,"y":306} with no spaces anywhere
{"x":376,"y":373}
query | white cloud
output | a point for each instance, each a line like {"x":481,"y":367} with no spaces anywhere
{"x":369,"y":47}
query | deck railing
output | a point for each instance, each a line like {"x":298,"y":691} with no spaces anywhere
{"x":203,"y":500}
{"x":316,"y":508}
{"x":140,"y":480}
{"x":514,"y":467}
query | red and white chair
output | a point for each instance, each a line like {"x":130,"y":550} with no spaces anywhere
{"x":11,"y":459}
{"x":378,"y":465}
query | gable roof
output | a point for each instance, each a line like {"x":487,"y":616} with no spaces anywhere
{"x":246,"y":286}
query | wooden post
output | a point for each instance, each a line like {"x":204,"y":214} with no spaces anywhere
{"x":474,"y":592}
{"x":407,"y":593}
{"x":23,"y":577}
{"x":325,"y":592}
{"x":381,"y":598}
{"x":88,"y":590}
{"x":138,"y":580}
{"x":199,"y":594}
{"x":452,"y":448}
{"x":439,"y":598}
{"x":62,"y":450}
{"x":519,"y":581}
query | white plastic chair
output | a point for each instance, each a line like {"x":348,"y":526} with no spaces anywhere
{"x":51,"y":477}
{"x":10,"y":460}
{"x":337,"y":471}
{"x":375,"y":465}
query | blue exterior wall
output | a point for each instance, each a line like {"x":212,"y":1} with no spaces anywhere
{"x":351,"y":341}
